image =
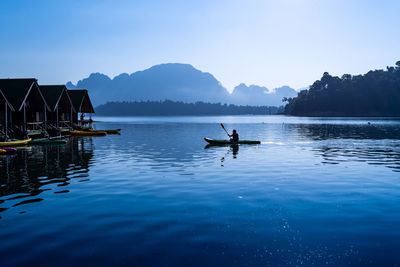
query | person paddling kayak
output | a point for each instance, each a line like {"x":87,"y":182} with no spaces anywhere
{"x":234,"y":137}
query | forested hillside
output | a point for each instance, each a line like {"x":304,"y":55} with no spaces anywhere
{"x":376,"y":93}
{"x":172,"y":108}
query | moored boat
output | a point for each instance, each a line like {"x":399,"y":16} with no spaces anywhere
{"x":15,"y":143}
{"x":116,"y":131}
{"x":48,"y":141}
{"x":229,"y":142}
{"x":7,"y":150}
{"x":88,"y":133}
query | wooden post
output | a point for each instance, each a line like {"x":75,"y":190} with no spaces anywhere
{"x":45,"y":117}
{"x":6,"y":119}
{"x":57,"y":116}
{"x":24,"y":118}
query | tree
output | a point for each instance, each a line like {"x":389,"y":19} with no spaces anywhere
{"x":376,"y":93}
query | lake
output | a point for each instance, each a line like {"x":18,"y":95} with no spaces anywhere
{"x":317,"y":191}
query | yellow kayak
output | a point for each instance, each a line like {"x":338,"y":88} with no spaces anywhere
{"x":116,"y":131}
{"x":88,"y":133}
{"x":16,"y":143}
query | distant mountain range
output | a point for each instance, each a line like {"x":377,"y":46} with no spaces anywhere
{"x":176,"y":82}
{"x":260,"y":96}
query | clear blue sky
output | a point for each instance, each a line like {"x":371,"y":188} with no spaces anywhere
{"x":268,"y":43}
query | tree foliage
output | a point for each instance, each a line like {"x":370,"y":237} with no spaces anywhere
{"x":173,"y":108}
{"x":376,"y":93}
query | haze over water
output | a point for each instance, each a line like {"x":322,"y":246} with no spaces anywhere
{"x":317,"y":191}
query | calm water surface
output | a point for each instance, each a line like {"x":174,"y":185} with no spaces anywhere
{"x":315,"y":192}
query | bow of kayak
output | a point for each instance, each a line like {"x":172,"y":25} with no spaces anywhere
{"x":15,"y":143}
{"x":7,"y":150}
{"x":88,"y":133}
{"x":116,"y":131}
{"x":228,"y":142}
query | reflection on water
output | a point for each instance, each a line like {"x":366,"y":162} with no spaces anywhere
{"x":27,"y":174}
{"x":315,"y":192}
{"x":375,"y":154}
{"x":231,"y":149}
{"x":348,"y":131}
{"x":373,"y":144}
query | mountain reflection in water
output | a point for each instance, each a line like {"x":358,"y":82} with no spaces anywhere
{"x":30,"y":172}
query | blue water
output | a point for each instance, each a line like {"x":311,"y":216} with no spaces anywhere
{"x":317,"y":191}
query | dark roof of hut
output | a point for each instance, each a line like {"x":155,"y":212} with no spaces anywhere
{"x":81,"y":101}
{"x":3,"y":100}
{"x":15,"y":90}
{"x":53,"y":94}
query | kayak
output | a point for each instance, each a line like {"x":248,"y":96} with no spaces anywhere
{"x":116,"y":131}
{"x":88,"y":133}
{"x":228,"y":142}
{"x":7,"y":150}
{"x":15,"y":143}
{"x":48,"y":141}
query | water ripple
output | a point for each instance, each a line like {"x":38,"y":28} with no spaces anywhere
{"x":316,"y":191}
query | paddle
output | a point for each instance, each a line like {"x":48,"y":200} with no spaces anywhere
{"x":225,"y":130}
